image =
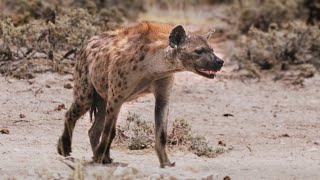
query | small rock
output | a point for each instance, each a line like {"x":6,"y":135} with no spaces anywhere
{"x":227,"y":178}
{"x":48,"y":86}
{"x":22,"y":116}
{"x":4,"y":131}
{"x":68,"y":86}
{"x":30,"y":82}
{"x":228,"y":115}
{"x":60,"y":107}
{"x":221,"y":143}
{"x":284,"y":135}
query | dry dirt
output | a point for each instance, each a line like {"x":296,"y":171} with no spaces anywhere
{"x":273,"y":131}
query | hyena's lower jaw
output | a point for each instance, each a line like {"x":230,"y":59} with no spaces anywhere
{"x":206,"y":72}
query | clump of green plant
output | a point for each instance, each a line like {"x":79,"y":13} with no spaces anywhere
{"x":292,"y":47}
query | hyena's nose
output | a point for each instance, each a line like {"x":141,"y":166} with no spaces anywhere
{"x":219,"y":61}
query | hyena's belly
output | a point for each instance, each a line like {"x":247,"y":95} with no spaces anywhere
{"x":136,"y":96}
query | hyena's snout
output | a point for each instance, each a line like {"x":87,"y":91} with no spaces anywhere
{"x":209,"y":65}
{"x":213,"y":62}
{"x":217,"y":62}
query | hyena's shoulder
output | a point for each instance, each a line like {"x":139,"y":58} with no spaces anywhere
{"x":142,"y":38}
{"x":152,"y":31}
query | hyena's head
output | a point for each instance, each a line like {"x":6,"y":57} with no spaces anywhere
{"x":194,"y":52}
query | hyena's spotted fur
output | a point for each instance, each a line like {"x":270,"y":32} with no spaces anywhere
{"x":117,"y":67}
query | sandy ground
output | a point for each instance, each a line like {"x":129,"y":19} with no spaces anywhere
{"x":274,"y":131}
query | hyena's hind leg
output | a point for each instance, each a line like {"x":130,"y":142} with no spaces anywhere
{"x":76,"y":110}
{"x":83,"y":95}
{"x":98,"y":109}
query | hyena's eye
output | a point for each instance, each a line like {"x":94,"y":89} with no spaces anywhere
{"x":199,"y":51}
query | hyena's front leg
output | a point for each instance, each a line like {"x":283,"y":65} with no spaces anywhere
{"x":102,"y":152}
{"x":161,"y":90}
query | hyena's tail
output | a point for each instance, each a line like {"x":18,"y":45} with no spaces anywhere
{"x":98,"y":105}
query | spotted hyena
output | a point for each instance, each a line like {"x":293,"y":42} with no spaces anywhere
{"x":117,"y":67}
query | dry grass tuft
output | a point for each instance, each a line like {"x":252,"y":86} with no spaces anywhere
{"x":183,"y":137}
{"x":78,"y":172}
{"x":138,"y":134}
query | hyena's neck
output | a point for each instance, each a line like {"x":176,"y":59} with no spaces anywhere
{"x":165,"y":63}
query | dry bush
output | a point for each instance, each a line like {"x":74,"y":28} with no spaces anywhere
{"x":294,"y":47}
{"x":183,"y":4}
{"x":220,"y":1}
{"x":39,"y":36}
{"x":313,"y":7}
{"x":23,"y":11}
{"x":244,"y":14}
{"x":261,"y":13}
{"x":180,"y":134}
{"x":200,"y":147}
{"x":138,"y":134}
{"x":281,"y":37}
{"x":25,"y":48}
{"x":183,"y":137}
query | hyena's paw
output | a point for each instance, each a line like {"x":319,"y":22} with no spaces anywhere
{"x":64,"y":146}
{"x":103,"y":160}
{"x":167,"y":164}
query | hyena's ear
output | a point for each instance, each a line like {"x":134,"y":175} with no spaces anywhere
{"x":177,"y":36}
{"x":208,"y":35}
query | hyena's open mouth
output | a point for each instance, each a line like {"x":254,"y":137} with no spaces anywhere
{"x":209,"y":73}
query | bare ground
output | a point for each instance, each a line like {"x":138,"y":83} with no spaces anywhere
{"x":272,"y":129}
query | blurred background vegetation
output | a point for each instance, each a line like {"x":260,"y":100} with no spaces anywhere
{"x":278,"y":37}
